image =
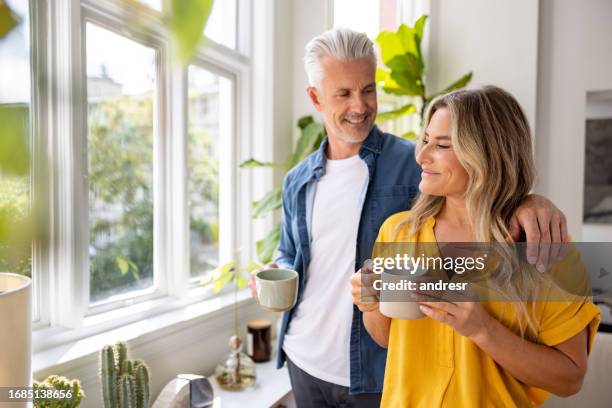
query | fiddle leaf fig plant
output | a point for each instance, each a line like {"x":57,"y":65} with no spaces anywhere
{"x":312,"y":134}
{"x":405,"y":71}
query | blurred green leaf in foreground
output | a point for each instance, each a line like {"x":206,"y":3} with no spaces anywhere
{"x":16,"y":231}
{"x":186,"y":21}
{"x":8,"y":19}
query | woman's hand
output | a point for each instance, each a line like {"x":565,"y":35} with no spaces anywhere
{"x":365,"y":297}
{"x":468,"y":318}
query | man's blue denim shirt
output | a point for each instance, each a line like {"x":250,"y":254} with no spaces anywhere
{"x":393,"y":184}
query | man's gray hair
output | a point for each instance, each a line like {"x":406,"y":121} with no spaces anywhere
{"x":339,"y":43}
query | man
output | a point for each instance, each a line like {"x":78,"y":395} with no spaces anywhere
{"x":334,"y":203}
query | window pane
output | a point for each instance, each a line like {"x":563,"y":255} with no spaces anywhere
{"x":15,"y":250}
{"x":358,"y":15}
{"x":374,"y":16}
{"x":221,"y":25}
{"x":120,"y":85}
{"x":208,"y":119}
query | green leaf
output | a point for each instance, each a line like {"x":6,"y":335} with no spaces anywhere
{"x":407,"y":63}
{"x":458,"y":84}
{"x":400,"y":82}
{"x":253,"y":266}
{"x":407,"y":37}
{"x":8,"y":19}
{"x":14,"y":150}
{"x":186,"y":22}
{"x":223,"y":275}
{"x":397,"y":91}
{"x":396,"y":113}
{"x":390,"y":45}
{"x":241,"y":283}
{"x":384,"y":80}
{"x":419,"y":27}
{"x":270,"y":202}
{"x":224,"y":270}
{"x":310,"y":139}
{"x":408,"y":84}
{"x":221,"y":282}
{"x":217,"y":273}
{"x":253,"y":163}
{"x":122,"y":264}
{"x":305,"y":121}
{"x":268,"y":245}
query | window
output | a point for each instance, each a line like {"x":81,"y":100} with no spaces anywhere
{"x":120,"y":93}
{"x":15,"y":103}
{"x":221,"y":25}
{"x":358,"y":15}
{"x":138,"y":157}
{"x":209,"y":117}
{"x":374,"y":16}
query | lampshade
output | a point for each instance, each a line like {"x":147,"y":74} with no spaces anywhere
{"x":15,"y":331}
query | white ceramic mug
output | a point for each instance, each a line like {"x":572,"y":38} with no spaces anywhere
{"x":399,"y":304}
{"x":277,"y":289}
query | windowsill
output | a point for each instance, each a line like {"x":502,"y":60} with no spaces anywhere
{"x":272,"y":388}
{"x":55,"y":346}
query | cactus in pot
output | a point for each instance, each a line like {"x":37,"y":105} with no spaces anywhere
{"x":125,"y":383}
{"x":70,"y":389}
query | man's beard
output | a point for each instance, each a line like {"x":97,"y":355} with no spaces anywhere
{"x":351,"y":137}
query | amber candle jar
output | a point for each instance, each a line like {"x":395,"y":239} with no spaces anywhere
{"x":258,"y":340}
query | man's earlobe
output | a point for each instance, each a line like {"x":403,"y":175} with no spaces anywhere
{"x":313,"y":94}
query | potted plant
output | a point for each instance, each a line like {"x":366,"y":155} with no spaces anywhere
{"x":236,"y":371}
{"x":58,"y":392}
{"x":125,"y":383}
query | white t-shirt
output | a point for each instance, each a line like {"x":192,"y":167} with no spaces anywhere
{"x":318,"y":338}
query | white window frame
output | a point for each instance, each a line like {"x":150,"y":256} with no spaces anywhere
{"x":112,"y":22}
{"x":59,"y":109}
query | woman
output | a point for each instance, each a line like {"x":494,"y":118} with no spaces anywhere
{"x":477,"y":164}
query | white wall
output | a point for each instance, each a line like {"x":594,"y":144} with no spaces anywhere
{"x":310,"y":18}
{"x":273,"y":122}
{"x":496,"y":39}
{"x":548,"y":53}
{"x":575,"y":57}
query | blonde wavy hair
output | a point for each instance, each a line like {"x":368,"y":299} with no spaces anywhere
{"x":492,"y":141}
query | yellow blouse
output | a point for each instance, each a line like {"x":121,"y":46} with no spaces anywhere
{"x":431,"y":365}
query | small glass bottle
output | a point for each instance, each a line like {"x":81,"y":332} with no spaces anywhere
{"x":236,"y":372}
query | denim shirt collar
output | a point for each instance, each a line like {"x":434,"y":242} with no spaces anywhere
{"x":372,"y":144}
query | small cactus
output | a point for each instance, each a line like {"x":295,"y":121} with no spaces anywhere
{"x":127,"y":397}
{"x":108,"y":376}
{"x":121,"y":353}
{"x":142,"y":378}
{"x":54,"y":382}
{"x":125,"y":383}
